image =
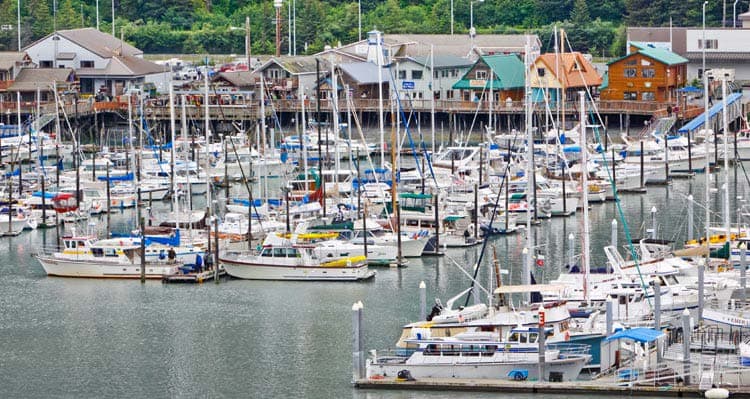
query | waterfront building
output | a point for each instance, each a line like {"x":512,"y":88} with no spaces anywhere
{"x":45,"y":80}
{"x":645,"y":74}
{"x":572,"y":72}
{"x":103,"y":63}
{"x":503,"y":75}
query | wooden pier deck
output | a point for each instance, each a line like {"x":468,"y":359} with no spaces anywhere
{"x":193,"y":278}
{"x":593,"y":387}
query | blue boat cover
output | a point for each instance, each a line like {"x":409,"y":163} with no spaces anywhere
{"x":640,"y":334}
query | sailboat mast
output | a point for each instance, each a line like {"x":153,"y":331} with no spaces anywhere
{"x":727,"y":221}
{"x":526,"y":278}
{"x":172,"y":129}
{"x":708,"y":161}
{"x":208,"y":151}
{"x":432,"y":97}
{"x":585,"y":265}
{"x":379,"y":57}
{"x":335,"y":127}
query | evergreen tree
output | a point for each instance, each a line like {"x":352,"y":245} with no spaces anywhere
{"x":67,"y":16}
{"x":580,"y":16}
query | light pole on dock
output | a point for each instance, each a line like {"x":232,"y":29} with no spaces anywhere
{"x":248,"y":47}
{"x":472,"y":31}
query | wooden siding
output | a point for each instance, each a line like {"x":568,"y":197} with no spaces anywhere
{"x":663,"y":84}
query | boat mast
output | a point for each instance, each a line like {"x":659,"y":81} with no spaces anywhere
{"x":727,"y":221}
{"x":432,"y":96}
{"x":585,"y":265}
{"x":303,"y":135}
{"x":208,"y":152}
{"x":379,"y":57}
{"x":172,"y":129}
{"x":334,"y":128}
{"x":526,"y":278}
{"x":706,"y":121}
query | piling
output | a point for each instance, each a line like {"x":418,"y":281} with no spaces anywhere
{"x":609,"y":320}
{"x":143,"y":251}
{"x":358,"y":371}
{"x":686,"y":331}
{"x":541,"y":340}
{"x":571,"y":249}
{"x":642,"y":181}
{"x":422,"y":301}
{"x":690,"y":218}
{"x":701,"y":287}
{"x":216,"y":249}
{"x":614,"y":233}
{"x":743,"y":272}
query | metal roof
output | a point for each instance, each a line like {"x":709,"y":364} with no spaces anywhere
{"x":508,"y":73}
{"x":364,"y":73}
{"x":443,"y":61}
{"x":29,"y":79}
{"x":99,"y":43}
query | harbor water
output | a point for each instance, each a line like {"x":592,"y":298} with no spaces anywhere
{"x":65,"y":337}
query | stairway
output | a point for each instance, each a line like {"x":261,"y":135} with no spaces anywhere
{"x":39,"y":123}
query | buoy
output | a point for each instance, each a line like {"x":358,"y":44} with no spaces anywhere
{"x":717,"y":393}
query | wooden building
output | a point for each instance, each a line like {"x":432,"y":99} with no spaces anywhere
{"x":572,"y":72}
{"x":502,"y":74}
{"x":646,"y":74}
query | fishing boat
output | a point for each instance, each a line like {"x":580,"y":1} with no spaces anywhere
{"x":482,"y":355}
{"x":289,"y":260}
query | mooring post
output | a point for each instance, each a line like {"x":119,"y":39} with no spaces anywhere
{"x":357,"y":373}
{"x":609,"y":318}
{"x":422,"y":301}
{"x":743,"y":272}
{"x":542,"y":339}
{"x":690,"y":218}
{"x":571,"y":250}
{"x":614,"y":233}
{"x":216,"y":248}
{"x":686,"y":332}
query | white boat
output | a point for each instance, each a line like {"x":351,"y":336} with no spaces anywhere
{"x":289,"y":261}
{"x":481,"y":355}
{"x":82,"y":256}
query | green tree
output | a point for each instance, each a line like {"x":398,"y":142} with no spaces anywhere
{"x":67,"y":16}
{"x":580,"y":16}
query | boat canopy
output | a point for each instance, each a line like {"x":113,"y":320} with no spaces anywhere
{"x":640,"y":334}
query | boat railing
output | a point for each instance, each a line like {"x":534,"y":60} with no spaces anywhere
{"x":658,"y":375}
{"x":567,"y":349}
{"x":46,"y":250}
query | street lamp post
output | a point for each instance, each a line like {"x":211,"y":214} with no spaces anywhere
{"x":277,"y":4}
{"x":359,"y":18}
{"x":289,"y":31}
{"x":451,"y":17}
{"x":472,"y":31}
{"x":248,"y":49}
{"x":18,"y":23}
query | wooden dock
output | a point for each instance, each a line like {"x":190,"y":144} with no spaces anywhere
{"x":593,"y":387}
{"x":193,"y":278}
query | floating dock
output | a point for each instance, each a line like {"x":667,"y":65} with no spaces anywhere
{"x":590,"y":388}
{"x":193,"y":277}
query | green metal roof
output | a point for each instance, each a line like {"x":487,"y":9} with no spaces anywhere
{"x":508,"y":73}
{"x":661,"y":55}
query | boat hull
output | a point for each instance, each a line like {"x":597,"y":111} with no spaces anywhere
{"x":72,"y":268}
{"x":255,"y":271}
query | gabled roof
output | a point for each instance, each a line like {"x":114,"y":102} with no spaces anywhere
{"x":443,"y":61}
{"x":238,"y":78}
{"x":574,"y":69}
{"x":29,"y":79}
{"x":364,"y":73}
{"x":508,"y":72}
{"x":661,"y":55}
{"x":296,"y":65}
{"x":127,"y":66}
{"x":99,"y":43}
{"x":8,"y":59}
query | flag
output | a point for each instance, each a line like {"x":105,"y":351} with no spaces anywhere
{"x":540,"y":260}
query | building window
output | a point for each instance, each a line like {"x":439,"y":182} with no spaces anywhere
{"x":540,"y":72}
{"x":87,"y":64}
{"x":629,"y":72}
{"x":631,"y":61}
{"x":46,"y":64}
{"x":416,"y":75}
{"x":454,"y":73}
{"x":710,"y":44}
{"x":435,"y":74}
{"x":648,"y":72}
{"x":481,"y":74}
{"x":449,"y":94}
{"x":436,"y":94}
{"x":402,"y":75}
{"x":648,"y":96}
{"x":630,"y":95}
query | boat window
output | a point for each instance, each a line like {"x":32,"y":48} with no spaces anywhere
{"x":110,"y":252}
{"x":514,"y":337}
{"x":522,"y":338}
{"x":98,"y":252}
{"x":81,"y":244}
{"x":533,"y":337}
{"x":267,"y":252}
{"x":279,"y":252}
{"x":68,"y":244}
